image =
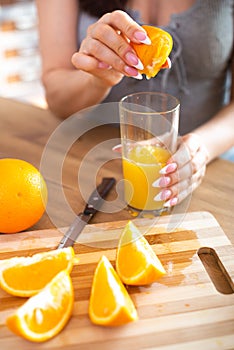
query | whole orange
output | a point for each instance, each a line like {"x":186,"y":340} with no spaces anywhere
{"x":23,"y":195}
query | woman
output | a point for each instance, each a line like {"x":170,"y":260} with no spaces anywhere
{"x":84,"y":55}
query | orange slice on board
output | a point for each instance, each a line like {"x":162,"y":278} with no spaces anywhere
{"x":136,"y":261}
{"x":110,"y":303}
{"x":44,"y":315}
{"x":26,"y":276}
{"x":154,"y":56}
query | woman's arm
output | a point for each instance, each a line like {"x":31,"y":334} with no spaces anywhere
{"x":187,"y":167}
{"x":102,"y":60}
{"x":66,"y":88}
{"x":218,"y":133}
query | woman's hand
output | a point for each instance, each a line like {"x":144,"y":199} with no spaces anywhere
{"x":183,"y":172}
{"x":106,"y":52}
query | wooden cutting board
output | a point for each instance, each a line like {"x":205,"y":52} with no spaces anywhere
{"x":183,"y":310}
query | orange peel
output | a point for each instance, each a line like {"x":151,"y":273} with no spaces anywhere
{"x":155,"y":56}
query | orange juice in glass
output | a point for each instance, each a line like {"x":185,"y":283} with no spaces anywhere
{"x":149,"y":128}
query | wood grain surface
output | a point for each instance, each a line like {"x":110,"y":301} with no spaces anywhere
{"x":25,"y":131}
{"x":183,"y":310}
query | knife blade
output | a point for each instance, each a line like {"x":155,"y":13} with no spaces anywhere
{"x":82,"y":219}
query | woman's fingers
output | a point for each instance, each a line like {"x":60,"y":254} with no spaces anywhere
{"x":115,"y":40}
{"x":106,"y":36}
{"x":189,"y":145}
{"x":185,"y":172}
{"x":175,"y":194}
{"x":182,"y":185}
{"x":172,"y":176}
{"x":97,"y":68}
{"x":188,"y":159}
{"x":187,"y":188}
{"x":122,"y":22}
{"x":178,"y":180}
{"x":126,"y":62}
{"x":99,"y":50}
{"x":107,"y":41}
{"x":199,"y":160}
{"x":85,"y":62}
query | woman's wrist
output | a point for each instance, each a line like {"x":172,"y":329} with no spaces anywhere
{"x":198,"y":139}
{"x":69,"y":91}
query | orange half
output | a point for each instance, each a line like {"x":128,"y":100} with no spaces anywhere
{"x":154,"y":56}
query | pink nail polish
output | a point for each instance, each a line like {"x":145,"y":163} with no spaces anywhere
{"x":163,"y":195}
{"x":171,"y":202}
{"x":166,"y":194}
{"x":103,"y":65}
{"x":163,"y":181}
{"x":138,"y":76}
{"x":130,"y":70}
{"x":117,"y":148}
{"x":133,"y":72}
{"x":134,"y":60}
{"x":169,"y":168}
{"x":142,"y":37}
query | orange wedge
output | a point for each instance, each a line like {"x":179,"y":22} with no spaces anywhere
{"x":110,"y":303}
{"x":136,"y":262}
{"x":44,"y":315}
{"x":154,"y":56}
{"x":26,"y":276}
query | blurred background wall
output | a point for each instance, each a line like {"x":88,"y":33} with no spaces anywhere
{"x":20,"y":63}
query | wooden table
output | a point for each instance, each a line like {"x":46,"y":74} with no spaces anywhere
{"x":184,"y":310}
{"x":25,"y":131}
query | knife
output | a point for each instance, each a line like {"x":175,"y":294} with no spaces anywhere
{"x":94,"y":203}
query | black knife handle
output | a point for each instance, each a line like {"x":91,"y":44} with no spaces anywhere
{"x":96,"y":199}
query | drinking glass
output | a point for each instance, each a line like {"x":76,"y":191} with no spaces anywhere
{"x":149,"y":131}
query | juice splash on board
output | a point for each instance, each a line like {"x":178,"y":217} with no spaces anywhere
{"x":140,"y":170}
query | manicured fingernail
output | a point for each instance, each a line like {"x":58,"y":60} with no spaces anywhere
{"x":167,"y":64}
{"x":104,"y":65}
{"x":163,"y":181}
{"x":138,"y":76}
{"x":171,"y":202}
{"x":117,"y":148}
{"x":163,"y":195}
{"x":169,"y":168}
{"x":142,"y":37}
{"x":133,"y":73}
{"x":134,"y":60}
